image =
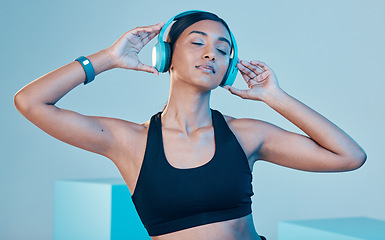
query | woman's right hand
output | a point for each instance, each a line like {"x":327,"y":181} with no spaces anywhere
{"x":125,"y":50}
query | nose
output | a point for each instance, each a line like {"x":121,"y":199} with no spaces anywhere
{"x":209,"y":53}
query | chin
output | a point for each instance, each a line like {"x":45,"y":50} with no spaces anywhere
{"x":207,"y":84}
{"x":203,"y":81}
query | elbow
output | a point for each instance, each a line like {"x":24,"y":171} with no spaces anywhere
{"x":22,"y":103}
{"x":18,"y":102}
{"x":357,"y":161}
{"x":362,"y":159}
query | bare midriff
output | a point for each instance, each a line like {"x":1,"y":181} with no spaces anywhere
{"x":235,"y":229}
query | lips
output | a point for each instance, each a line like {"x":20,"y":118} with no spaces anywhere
{"x":206,"y":67}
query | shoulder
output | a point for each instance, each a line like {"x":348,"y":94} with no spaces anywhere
{"x":247,"y":125}
{"x":251,"y":133}
{"x":121,"y":127}
{"x":129,"y":137}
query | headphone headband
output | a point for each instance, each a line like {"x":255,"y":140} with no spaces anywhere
{"x":176,"y":17}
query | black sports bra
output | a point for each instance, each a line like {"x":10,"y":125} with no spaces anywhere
{"x":170,"y":199}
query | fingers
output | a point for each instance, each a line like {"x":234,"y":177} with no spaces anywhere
{"x":139,"y":31}
{"x":250,"y":70}
{"x":260,"y":64}
{"x":146,"y":68}
{"x":252,"y":67}
{"x":236,"y":91}
{"x":253,"y":72}
{"x":145,"y":38}
{"x":144,"y":34}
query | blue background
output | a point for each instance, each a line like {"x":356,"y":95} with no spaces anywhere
{"x":328,"y":54}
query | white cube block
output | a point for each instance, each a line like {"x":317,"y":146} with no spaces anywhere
{"x":97,"y":209}
{"x":353,"y":228}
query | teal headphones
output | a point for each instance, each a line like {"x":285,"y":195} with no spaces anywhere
{"x":161,"y":53}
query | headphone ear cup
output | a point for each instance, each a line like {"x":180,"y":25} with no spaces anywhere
{"x":224,"y":80}
{"x":230,"y":74}
{"x":161,"y":55}
{"x":233,"y":71}
{"x":167,"y":56}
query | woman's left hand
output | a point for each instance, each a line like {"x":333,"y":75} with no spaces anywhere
{"x":260,"y":79}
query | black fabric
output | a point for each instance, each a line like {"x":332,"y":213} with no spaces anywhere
{"x":170,"y":199}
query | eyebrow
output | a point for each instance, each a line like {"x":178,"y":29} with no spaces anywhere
{"x":205,"y":34}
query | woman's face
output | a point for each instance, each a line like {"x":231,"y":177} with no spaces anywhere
{"x":201,"y":54}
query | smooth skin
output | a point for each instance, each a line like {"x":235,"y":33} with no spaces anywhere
{"x":186,"y":120}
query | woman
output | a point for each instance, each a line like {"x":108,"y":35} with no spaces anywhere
{"x":189,"y":167}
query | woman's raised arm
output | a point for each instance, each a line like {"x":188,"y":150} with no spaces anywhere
{"x":327,"y":148}
{"x":36,"y":101}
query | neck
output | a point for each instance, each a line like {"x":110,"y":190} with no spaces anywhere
{"x":187,"y":109}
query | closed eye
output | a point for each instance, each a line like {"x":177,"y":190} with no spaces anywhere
{"x":222,"y":52}
{"x":200,"y":44}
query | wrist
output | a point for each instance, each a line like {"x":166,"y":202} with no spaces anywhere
{"x":274,"y":96}
{"x":101,"y":61}
{"x":111,"y":58}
